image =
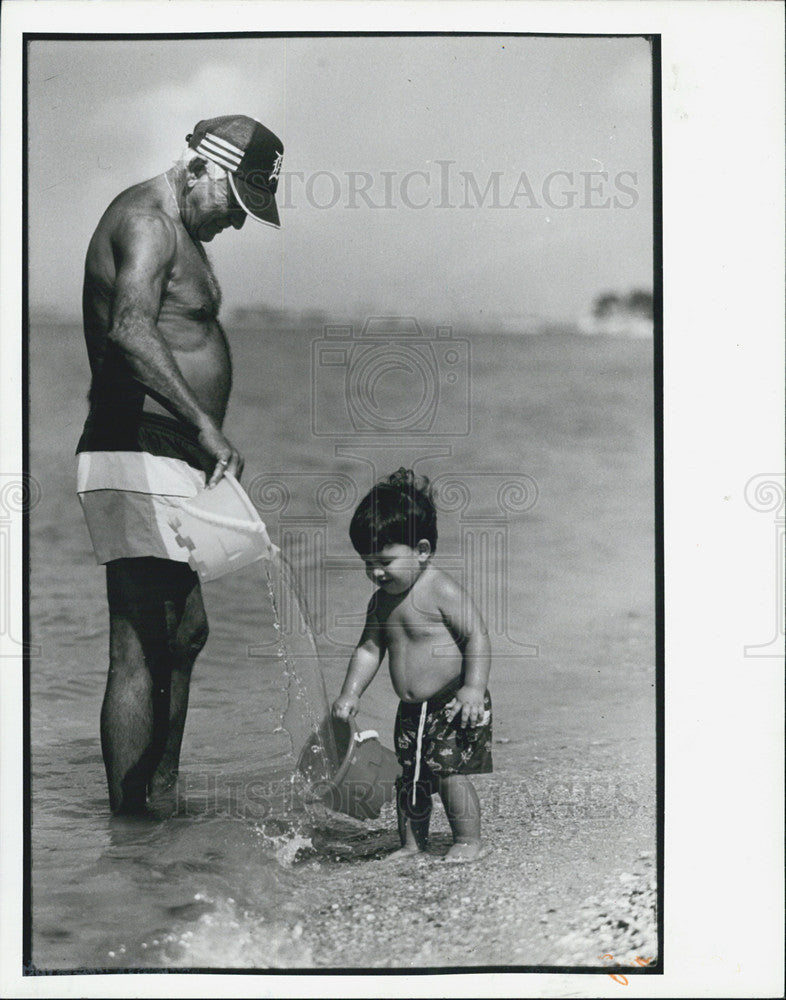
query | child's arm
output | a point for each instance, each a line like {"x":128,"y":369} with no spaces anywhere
{"x":467,"y":627}
{"x":363,"y":665}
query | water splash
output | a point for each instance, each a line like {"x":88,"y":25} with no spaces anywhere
{"x":232,"y":936}
{"x":306,"y":717}
{"x":290,"y":847}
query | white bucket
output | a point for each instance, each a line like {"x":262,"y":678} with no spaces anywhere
{"x":221,"y":529}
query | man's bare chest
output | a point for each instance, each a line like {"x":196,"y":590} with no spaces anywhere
{"x":192,"y":287}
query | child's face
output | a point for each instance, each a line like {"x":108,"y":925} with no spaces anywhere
{"x":396,"y":567}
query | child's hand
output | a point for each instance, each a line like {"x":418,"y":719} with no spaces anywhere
{"x":469,"y":702}
{"x":344,"y":706}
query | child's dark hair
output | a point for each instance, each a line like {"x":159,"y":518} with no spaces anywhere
{"x":399,"y":510}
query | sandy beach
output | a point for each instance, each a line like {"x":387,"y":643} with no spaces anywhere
{"x":558,"y":888}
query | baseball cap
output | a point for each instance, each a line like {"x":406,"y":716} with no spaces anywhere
{"x":252,"y":156}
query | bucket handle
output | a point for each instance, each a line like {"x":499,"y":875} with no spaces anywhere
{"x":222,"y":521}
{"x":355,"y":737}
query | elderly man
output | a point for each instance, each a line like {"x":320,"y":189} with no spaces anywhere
{"x":161,"y":377}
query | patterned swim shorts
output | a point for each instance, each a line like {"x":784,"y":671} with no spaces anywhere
{"x":429,"y":747}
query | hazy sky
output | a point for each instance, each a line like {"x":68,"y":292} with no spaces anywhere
{"x":424,"y":125}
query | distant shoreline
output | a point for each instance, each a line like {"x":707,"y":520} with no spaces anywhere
{"x":635,"y":328}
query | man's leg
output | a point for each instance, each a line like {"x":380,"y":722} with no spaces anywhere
{"x":190,"y":637}
{"x":156,"y":629}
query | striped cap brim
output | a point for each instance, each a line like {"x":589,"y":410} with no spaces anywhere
{"x":260,"y":206}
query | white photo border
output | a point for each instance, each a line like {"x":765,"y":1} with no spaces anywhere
{"x":723,"y":267}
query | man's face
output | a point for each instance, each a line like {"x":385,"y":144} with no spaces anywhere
{"x":213,"y":207}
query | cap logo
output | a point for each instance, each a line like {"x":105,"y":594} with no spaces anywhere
{"x":220,"y":151}
{"x":276,"y":167}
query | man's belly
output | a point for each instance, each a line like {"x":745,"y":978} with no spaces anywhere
{"x":207,"y":369}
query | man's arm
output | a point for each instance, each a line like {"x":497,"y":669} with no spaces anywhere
{"x":144,"y":249}
{"x":363,"y":666}
{"x":467,"y":627}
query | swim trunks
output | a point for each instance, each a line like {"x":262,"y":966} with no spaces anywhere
{"x":131,"y":473}
{"x":429,"y":747}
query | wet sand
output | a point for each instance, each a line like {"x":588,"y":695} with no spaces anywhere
{"x":570,"y":877}
{"x":569,"y":817}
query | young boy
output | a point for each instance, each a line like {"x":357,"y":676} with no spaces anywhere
{"x":438,"y":655}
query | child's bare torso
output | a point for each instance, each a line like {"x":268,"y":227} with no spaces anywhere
{"x":423,"y":657}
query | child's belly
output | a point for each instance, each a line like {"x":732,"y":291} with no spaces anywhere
{"x":419,"y":670}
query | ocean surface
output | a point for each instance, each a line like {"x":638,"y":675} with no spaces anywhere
{"x":541,"y":448}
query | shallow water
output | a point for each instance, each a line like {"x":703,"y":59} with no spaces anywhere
{"x":232,"y":879}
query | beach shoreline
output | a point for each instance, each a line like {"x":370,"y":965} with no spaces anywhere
{"x":570,"y":879}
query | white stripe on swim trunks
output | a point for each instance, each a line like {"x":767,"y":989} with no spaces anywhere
{"x":419,"y":750}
